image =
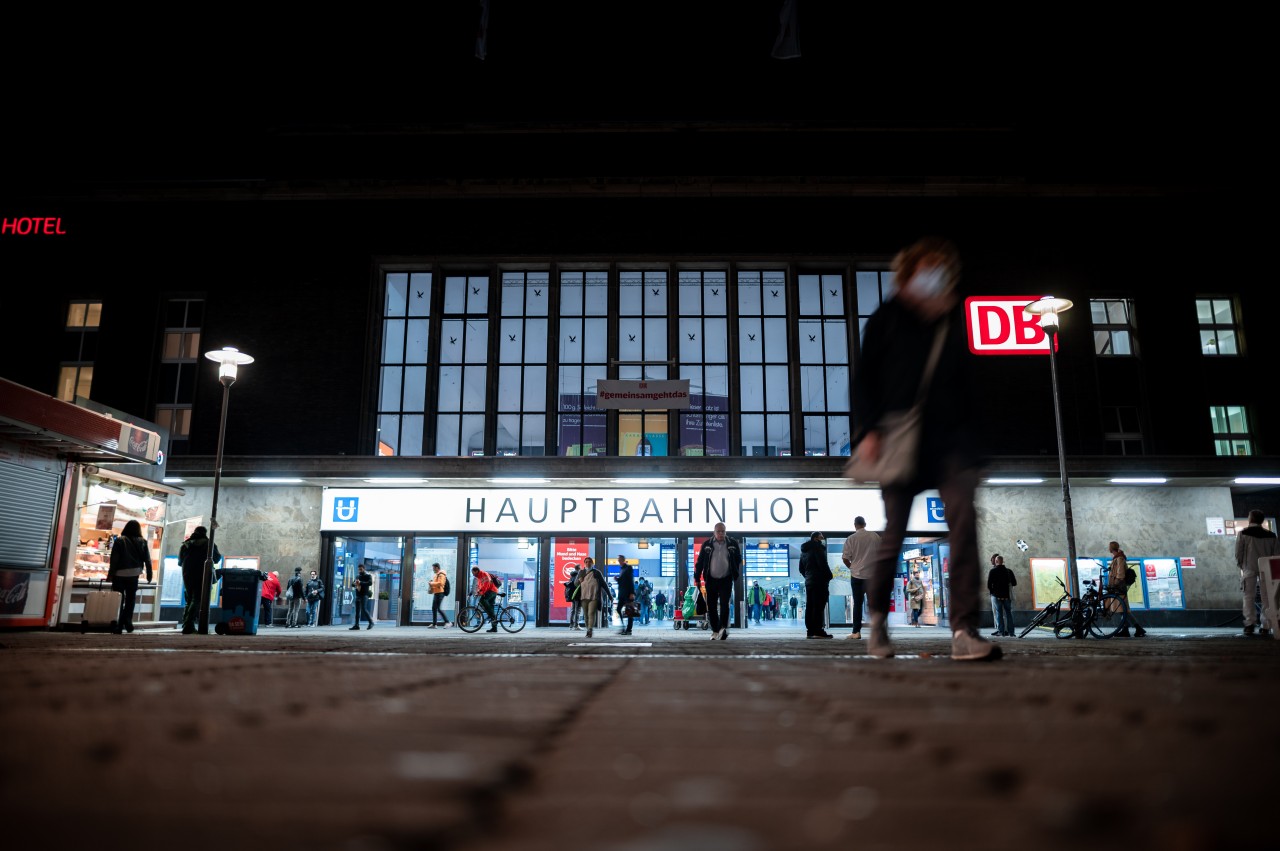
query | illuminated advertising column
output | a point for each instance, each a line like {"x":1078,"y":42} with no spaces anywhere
{"x":569,"y":553}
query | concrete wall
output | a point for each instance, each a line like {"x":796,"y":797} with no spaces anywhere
{"x":1147,"y":521}
{"x":279,"y":524}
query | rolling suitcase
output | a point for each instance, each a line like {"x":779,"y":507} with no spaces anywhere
{"x":101,"y":610}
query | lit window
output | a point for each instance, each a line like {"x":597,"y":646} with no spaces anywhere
{"x":74,"y":380}
{"x":1231,"y":434}
{"x":1112,"y":327}
{"x":83,"y":314}
{"x":1219,"y":331}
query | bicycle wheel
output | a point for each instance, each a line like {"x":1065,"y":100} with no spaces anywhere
{"x":1039,"y":619}
{"x":1111,"y":616}
{"x":512,"y":619}
{"x":470,"y":619}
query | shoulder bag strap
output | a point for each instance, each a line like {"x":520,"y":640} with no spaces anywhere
{"x":931,"y":365}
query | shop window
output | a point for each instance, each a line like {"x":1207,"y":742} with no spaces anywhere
{"x":522,"y":364}
{"x":583,"y":350}
{"x":403,"y":376}
{"x":763,"y":374}
{"x":1122,"y":430}
{"x":1219,"y":328}
{"x":1231,"y":435}
{"x":642,"y":354}
{"x":704,"y":361}
{"x":1112,"y":327}
{"x":823,"y":339}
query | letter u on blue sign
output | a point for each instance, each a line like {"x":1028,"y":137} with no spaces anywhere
{"x":346,"y":510}
{"x":936,"y":512}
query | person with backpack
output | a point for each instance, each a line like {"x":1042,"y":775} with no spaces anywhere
{"x":296,"y":596}
{"x":439,"y":588}
{"x":487,"y":588}
{"x":660,"y":605}
{"x":1121,"y":577}
{"x":315,"y":593}
{"x":192,"y":555}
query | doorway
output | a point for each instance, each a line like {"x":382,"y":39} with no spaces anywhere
{"x":380,"y":557}
{"x":653,"y":561}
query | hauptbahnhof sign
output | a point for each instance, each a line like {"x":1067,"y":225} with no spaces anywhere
{"x":649,"y":511}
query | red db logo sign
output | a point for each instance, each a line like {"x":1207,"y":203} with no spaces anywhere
{"x":998,"y":326}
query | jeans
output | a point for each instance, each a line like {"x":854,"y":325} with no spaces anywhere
{"x":1003,"y":608}
{"x":815,"y":611}
{"x":915,"y":615}
{"x":718,"y":593}
{"x":957,"y":490}
{"x":436,"y":600}
{"x":364,"y":607}
{"x":644,"y":613}
{"x":264,"y":615}
{"x":755,"y":612}
{"x":859,"y":587}
{"x":128,"y":588}
{"x":575,"y":612}
{"x":294,"y":618}
{"x":313,"y":607}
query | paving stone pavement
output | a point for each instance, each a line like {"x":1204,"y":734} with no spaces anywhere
{"x":431,"y":739}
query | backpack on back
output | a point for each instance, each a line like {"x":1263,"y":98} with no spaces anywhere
{"x":1130,"y":577}
{"x":446,"y":584}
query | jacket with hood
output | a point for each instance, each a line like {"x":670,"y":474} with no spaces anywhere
{"x":813,"y":564}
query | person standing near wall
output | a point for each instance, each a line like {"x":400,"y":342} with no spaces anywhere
{"x":915,"y":356}
{"x":315,"y":593}
{"x":1253,"y":542}
{"x":270,"y":590}
{"x":296,"y":595}
{"x":1000,"y":581}
{"x":191,"y":557}
{"x":859,"y":554}
{"x":817,"y":580}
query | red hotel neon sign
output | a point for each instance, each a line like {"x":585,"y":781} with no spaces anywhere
{"x":32,"y":225}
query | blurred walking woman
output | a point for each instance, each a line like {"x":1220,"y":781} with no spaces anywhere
{"x":130,"y":555}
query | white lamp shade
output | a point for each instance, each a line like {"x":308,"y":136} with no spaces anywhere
{"x":229,"y":360}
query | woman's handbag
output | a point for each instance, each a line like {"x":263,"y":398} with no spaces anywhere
{"x":899,"y":434}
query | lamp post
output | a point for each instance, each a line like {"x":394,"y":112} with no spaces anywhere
{"x":1048,"y":309}
{"x":229,"y":360}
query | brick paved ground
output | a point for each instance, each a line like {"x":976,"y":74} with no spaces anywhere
{"x":410,"y":738}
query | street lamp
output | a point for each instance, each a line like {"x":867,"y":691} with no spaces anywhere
{"x":1048,"y":309}
{"x":229,"y":361}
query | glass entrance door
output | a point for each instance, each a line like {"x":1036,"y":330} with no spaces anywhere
{"x":382,"y":558}
{"x":514,"y":563}
{"x":653,"y":562}
{"x":427,"y":552}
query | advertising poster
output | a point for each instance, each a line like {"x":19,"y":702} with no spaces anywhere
{"x":106,"y":517}
{"x":15,"y":586}
{"x":1043,"y":573}
{"x":567,"y":555}
{"x":1164,"y":583}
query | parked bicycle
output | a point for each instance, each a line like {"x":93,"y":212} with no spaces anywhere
{"x":1096,"y":613}
{"x":472,"y":617}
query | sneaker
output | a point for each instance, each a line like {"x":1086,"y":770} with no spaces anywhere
{"x":826,"y":635}
{"x":968,"y":646}
{"x":879,"y":645}
{"x":370,"y":626}
{"x":724,"y":633}
{"x":356,"y":628}
{"x":715,"y":636}
{"x":812,"y":636}
{"x":996,"y":634}
{"x":1249,"y":629}
{"x":854,"y":635}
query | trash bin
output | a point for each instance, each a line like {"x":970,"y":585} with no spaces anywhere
{"x":237,"y":612}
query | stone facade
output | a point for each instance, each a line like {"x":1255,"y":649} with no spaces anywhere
{"x":281,"y":525}
{"x":1147,"y":522}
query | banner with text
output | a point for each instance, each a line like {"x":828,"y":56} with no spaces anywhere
{"x":646,"y":395}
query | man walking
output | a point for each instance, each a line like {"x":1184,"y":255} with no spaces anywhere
{"x":439,"y":588}
{"x":719,"y":562}
{"x":192,"y":556}
{"x":363,"y":585}
{"x":1000,"y":580}
{"x":755,"y":599}
{"x":1255,"y":541}
{"x":817,"y":578}
{"x":626,"y":594}
{"x":1116,"y":582}
{"x":859,"y":555}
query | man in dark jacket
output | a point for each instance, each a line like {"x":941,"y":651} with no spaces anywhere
{"x":817,"y":577}
{"x":1000,"y":580}
{"x":626,"y":593}
{"x":315,"y":593}
{"x":1255,"y":541}
{"x":191,"y":557}
{"x":719,"y":562}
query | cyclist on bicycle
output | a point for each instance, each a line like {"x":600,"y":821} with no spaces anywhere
{"x":487,"y":591}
